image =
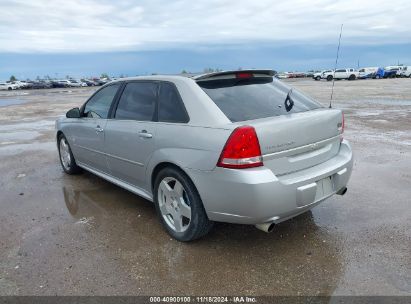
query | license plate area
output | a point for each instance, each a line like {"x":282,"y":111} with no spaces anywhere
{"x":324,"y":188}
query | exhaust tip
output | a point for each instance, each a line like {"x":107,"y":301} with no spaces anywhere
{"x":266,"y":227}
{"x":342,"y":191}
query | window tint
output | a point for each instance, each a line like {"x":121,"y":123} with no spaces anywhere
{"x":137,"y":101}
{"x":170,"y":105}
{"x":247,"y":99}
{"x":340,"y":71}
{"x":99,"y":105}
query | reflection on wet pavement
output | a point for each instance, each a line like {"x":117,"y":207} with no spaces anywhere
{"x":242,"y":255}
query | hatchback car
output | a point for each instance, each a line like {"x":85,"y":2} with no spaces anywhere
{"x":236,"y":146}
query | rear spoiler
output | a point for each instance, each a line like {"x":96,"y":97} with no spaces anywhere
{"x":234,"y":73}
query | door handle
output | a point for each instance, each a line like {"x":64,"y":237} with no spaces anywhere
{"x":145,"y":134}
{"x":99,"y":129}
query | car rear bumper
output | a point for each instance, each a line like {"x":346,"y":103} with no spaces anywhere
{"x":257,"y":195}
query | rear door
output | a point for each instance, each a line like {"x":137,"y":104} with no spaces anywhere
{"x":340,"y":74}
{"x":87,"y":136}
{"x":130,"y":134}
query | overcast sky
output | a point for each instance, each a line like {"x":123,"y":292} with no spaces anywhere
{"x":305,"y":33}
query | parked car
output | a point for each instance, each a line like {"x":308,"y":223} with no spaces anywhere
{"x":74,"y":83}
{"x":99,"y":82}
{"x":24,"y":85}
{"x":69,"y":83}
{"x":321,"y":75}
{"x":41,"y":85}
{"x":89,"y":82}
{"x":390,"y":72}
{"x":397,"y":68}
{"x":59,"y":84}
{"x":406,"y":72}
{"x":223,"y":146}
{"x":7,"y":86}
{"x":348,"y":74}
{"x":370,"y":72}
{"x":18,"y":84}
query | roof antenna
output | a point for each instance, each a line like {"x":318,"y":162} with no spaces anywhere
{"x":335,"y":67}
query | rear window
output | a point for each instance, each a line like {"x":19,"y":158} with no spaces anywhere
{"x":254,"y":98}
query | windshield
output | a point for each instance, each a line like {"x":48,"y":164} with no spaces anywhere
{"x":254,"y":98}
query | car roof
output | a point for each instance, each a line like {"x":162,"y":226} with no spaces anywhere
{"x":195,"y":76}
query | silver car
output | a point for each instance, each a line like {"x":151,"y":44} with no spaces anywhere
{"x":236,"y":146}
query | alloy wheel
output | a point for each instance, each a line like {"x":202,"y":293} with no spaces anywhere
{"x":65,"y":153}
{"x":174,"y":204}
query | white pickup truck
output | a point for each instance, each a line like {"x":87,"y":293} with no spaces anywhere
{"x":349,"y":74}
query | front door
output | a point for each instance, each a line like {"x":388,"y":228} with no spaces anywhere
{"x":88,"y":141}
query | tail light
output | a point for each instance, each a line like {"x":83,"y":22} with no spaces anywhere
{"x":242,"y":150}
{"x":243,"y":75}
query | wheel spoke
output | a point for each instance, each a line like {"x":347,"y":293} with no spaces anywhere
{"x":178,"y":189}
{"x":178,"y":221}
{"x":185,"y":210}
{"x":163,"y":209}
{"x":165,"y":187}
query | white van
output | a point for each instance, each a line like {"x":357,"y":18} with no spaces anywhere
{"x":398,"y":68}
{"x":406,"y":71}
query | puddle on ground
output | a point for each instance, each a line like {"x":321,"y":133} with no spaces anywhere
{"x":18,"y":136}
{"x":11,"y":101}
{"x":12,"y":148}
{"x":33,"y":125}
{"x":388,"y":102}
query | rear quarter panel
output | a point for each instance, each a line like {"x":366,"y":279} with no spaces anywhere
{"x":187,"y":146}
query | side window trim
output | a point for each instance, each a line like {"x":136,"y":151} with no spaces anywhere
{"x":180,"y":100}
{"x":116,"y":99}
{"x":112,"y":103}
{"x":120,"y":93}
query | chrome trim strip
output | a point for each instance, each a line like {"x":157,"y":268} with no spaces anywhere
{"x":111,"y":155}
{"x":296,"y":150}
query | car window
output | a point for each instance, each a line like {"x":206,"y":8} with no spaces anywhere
{"x":98,"y":106}
{"x":247,"y":99}
{"x":138,"y":101}
{"x":340,"y":71}
{"x":170,"y":105}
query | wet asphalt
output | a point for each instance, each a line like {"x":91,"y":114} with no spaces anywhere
{"x":80,"y":235}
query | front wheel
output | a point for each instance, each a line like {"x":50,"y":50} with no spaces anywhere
{"x":329,"y":78}
{"x":179,"y":206}
{"x":67,"y":160}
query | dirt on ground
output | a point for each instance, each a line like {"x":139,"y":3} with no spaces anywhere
{"x":80,"y":235}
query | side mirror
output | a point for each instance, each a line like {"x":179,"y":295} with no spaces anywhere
{"x":73,"y":113}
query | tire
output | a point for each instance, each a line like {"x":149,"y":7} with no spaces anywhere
{"x":329,"y":77}
{"x":377,"y":76}
{"x":9,"y":89}
{"x":175,"y":196}
{"x":317,"y":78}
{"x":67,"y":161}
{"x":352,"y":77}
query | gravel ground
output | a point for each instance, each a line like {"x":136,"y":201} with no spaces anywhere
{"x":80,"y":235}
